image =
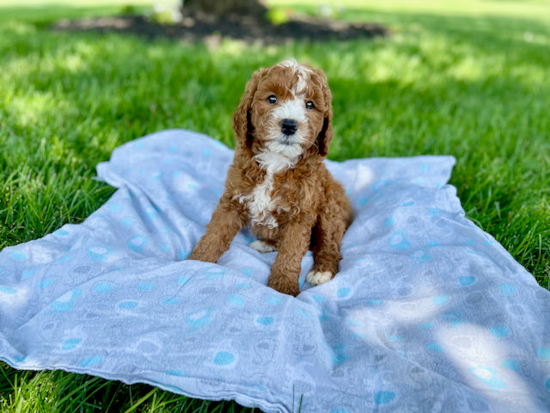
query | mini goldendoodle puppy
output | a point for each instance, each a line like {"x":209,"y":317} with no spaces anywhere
{"x":278,"y":184}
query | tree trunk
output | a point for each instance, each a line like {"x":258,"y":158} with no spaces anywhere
{"x":221,"y":7}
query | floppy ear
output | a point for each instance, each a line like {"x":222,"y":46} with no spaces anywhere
{"x":325,"y":136}
{"x":241,"y":119}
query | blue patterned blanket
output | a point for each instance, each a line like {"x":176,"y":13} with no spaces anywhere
{"x":427,"y":313}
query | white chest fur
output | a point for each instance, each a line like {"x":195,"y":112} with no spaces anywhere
{"x":260,"y":202}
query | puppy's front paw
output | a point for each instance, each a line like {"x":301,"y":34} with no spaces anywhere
{"x":319,"y":277}
{"x":262,"y":246}
{"x":284,"y":286}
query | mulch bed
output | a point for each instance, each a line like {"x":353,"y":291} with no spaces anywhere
{"x":202,"y":27}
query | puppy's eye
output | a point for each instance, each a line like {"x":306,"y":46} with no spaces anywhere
{"x":272,"y":99}
{"x":310,"y":105}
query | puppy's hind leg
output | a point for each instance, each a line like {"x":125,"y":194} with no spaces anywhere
{"x":326,"y":240}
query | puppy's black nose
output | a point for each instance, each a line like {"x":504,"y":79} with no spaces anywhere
{"x":289,"y":126}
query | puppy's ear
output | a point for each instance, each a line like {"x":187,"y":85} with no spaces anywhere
{"x":241,"y":119}
{"x":325,"y":136}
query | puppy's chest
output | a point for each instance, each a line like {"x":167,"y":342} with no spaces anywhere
{"x":266,"y":201}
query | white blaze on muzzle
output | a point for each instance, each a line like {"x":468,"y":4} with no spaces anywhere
{"x":291,"y":109}
{"x":288,"y":145}
{"x":295,"y":109}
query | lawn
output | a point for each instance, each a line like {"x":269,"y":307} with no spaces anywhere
{"x":470,"y":79}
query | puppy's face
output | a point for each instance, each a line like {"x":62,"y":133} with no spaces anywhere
{"x":289,"y":109}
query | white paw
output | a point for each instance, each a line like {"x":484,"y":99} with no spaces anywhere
{"x":318,"y":277}
{"x":262,"y":246}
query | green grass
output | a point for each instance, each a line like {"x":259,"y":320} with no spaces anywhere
{"x":469,"y":79}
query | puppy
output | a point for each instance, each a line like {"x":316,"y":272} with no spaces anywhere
{"x":278,"y":184}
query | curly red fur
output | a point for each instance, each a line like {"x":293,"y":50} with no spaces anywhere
{"x":282,"y":190}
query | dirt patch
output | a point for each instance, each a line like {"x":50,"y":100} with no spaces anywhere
{"x":203,"y":27}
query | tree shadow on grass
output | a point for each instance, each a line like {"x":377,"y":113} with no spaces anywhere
{"x":201,"y":27}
